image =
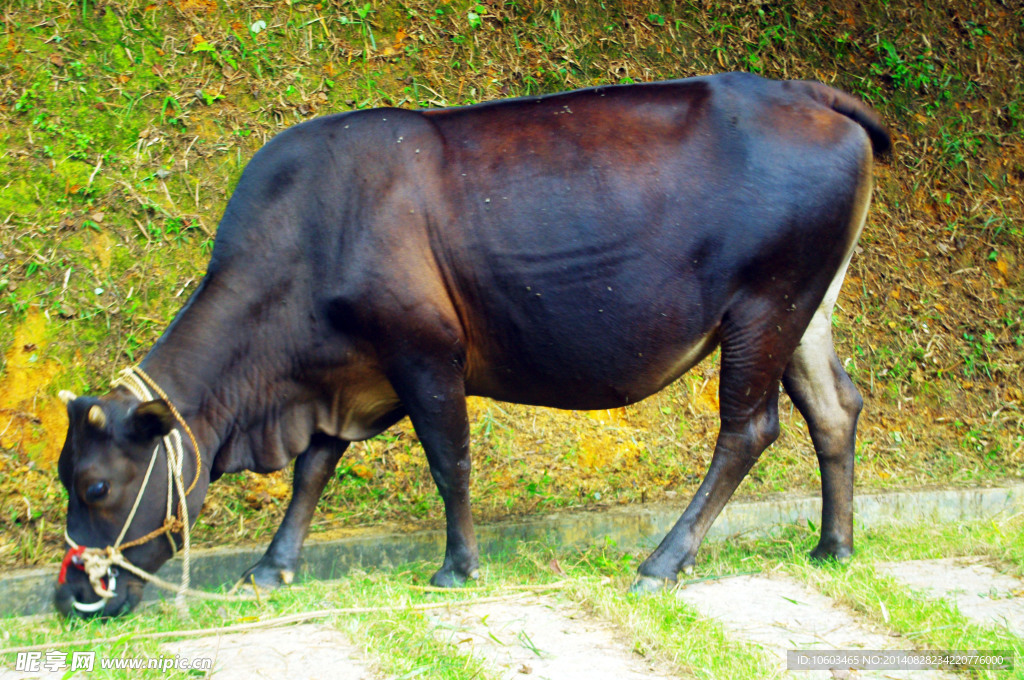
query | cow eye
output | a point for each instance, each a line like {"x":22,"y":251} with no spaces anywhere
{"x":96,"y":491}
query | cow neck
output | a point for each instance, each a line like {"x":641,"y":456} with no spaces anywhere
{"x":210,"y":389}
{"x":225,"y":363}
{"x":180,"y":361}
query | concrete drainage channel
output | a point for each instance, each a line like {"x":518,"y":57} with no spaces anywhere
{"x":631,"y":528}
{"x":769,"y":611}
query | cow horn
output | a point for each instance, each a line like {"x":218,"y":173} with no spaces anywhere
{"x":66,"y":396}
{"x":97,"y":418}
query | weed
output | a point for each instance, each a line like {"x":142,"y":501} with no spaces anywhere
{"x":914,"y":74}
{"x":363,"y":12}
{"x":475,"y":16}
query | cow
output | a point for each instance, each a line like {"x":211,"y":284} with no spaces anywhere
{"x":579,"y":250}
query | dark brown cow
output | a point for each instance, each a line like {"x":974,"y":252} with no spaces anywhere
{"x":580,"y":251}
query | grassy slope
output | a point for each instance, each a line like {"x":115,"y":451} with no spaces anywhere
{"x":125,"y":124}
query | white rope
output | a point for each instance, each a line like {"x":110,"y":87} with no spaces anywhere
{"x":97,"y":561}
{"x":138,"y":497}
{"x":186,"y":541}
{"x":168,"y":512}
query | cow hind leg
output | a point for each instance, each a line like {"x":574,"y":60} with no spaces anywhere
{"x":829,"y":402}
{"x":313,"y":469}
{"x":752,"y":363}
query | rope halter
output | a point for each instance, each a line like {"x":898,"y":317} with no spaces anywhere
{"x":97,"y":563}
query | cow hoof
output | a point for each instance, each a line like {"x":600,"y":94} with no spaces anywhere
{"x":447,"y":577}
{"x":266,"y":578}
{"x":828,"y":553}
{"x":648,"y":585}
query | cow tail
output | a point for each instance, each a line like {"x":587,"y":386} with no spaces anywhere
{"x":854,"y":109}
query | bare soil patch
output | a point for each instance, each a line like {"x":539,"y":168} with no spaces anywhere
{"x":779,"y":614}
{"x":978,"y":591}
{"x":302,"y":652}
{"x":542,"y":638}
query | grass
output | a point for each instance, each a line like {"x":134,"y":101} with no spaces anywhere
{"x":660,"y":625}
{"x":402,"y":641}
{"x":124,"y":126}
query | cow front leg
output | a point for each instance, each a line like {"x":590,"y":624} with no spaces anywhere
{"x":435,"y":400}
{"x":749,"y":423}
{"x":312,"y":470}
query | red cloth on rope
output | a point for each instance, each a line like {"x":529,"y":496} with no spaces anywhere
{"x":69,"y":560}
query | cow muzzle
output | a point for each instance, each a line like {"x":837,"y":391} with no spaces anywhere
{"x":86,"y":594}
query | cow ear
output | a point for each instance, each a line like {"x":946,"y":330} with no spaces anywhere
{"x":149,"y":420}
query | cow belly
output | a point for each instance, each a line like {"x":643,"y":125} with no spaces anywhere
{"x":587,"y":373}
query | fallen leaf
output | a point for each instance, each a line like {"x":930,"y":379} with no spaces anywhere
{"x":362,"y":471}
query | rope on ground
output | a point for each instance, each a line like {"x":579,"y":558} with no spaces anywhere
{"x":170,"y":587}
{"x":286,"y":620}
{"x":480,"y":589}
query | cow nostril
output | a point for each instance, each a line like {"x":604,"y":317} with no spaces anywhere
{"x":97,"y":491}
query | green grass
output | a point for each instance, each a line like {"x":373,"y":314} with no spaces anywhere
{"x":401,"y":641}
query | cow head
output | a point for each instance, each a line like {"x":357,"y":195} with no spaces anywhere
{"x":110,"y":444}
